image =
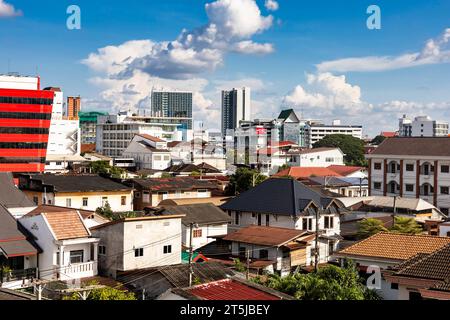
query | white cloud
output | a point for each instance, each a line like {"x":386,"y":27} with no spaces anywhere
{"x":329,"y":94}
{"x":250,"y":47}
{"x":231,"y":25}
{"x":7,"y":10}
{"x":271,"y":5}
{"x":435,"y":51}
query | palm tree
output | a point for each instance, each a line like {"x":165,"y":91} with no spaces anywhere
{"x":370,"y":226}
{"x":406,"y":226}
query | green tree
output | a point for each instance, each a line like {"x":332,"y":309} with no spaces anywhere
{"x":239,"y":266}
{"x":368,"y":227}
{"x":103,"y":167}
{"x":105,"y":211}
{"x":406,"y":225}
{"x":106,"y":293}
{"x":352,"y":147}
{"x":329,"y":283}
{"x":243,"y":180}
{"x":378,"y":140}
{"x":283,"y":167}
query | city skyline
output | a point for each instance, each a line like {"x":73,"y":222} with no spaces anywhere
{"x":319,"y":59}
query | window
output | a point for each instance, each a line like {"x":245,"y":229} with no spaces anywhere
{"x":102,"y":250}
{"x":263,"y":254}
{"x":307,"y":223}
{"x":236,"y":218}
{"x":444,"y":190}
{"x":197,"y":233}
{"x":394,"y":286}
{"x":36,"y":200}
{"x":409,"y":167}
{"x":139,"y":252}
{"x":377,"y":166}
{"x":139,"y":226}
{"x":409,"y":187}
{"x":85,"y":202}
{"x":267,"y":220}
{"x":445,"y":169}
{"x":104,"y":201}
{"x":68,"y":202}
{"x":137,"y":195}
{"x":123,"y":200}
{"x":167,"y":249}
{"x":329,"y":222}
{"x":76,"y":256}
{"x":445,"y":211}
{"x":377,"y":185}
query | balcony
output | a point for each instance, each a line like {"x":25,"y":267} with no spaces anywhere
{"x":16,"y":278}
{"x":77,"y":270}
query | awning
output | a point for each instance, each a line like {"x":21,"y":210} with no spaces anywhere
{"x":19,"y":248}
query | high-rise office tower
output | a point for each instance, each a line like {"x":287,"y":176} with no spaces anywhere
{"x":236,"y":107}
{"x":73,"y":107}
{"x":173,"y":104}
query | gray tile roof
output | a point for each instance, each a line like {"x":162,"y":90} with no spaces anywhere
{"x":10,"y":195}
{"x":202,"y":213}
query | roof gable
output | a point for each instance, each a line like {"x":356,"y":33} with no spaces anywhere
{"x":66,"y":225}
{"x":417,"y":146}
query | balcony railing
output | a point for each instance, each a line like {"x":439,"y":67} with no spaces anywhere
{"x":17,"y":275}
{"x":78,"y":270}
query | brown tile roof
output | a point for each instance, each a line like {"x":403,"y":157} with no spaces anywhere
{"x":269,"y":236}
{"x":87,"y":147}
{"x":151,"y":138}
{"x":66,"y":225}
{"x":394,"y":246}
{"x":49,"y":208}
{"x":418,"y":146}
{"x":306,"y":172}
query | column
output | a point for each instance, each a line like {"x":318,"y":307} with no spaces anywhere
{"x":418,"y":179}
{"x":401,"y":178}
{"x":369,"y":181}
{"x":61,"y":261}
{"x":385,"y":169}
{"x":436,"y":173}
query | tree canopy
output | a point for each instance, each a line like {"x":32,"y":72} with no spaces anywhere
{"x":352,"y":147}
{"x":243,"y":180}
{"x":378,"y":140}
{"x":368,"y":227}
{"x":406,"y":225}
{"x":329,"y":283}
{"x":103,"y":167}
{"x":106,"y":293}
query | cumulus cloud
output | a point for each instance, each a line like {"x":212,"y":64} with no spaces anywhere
{"x":271,"y":5}
{"x":7,"y":10}
{"x":329,"y":94}
{"x":231,"y":24}
{"x":435,"y":51}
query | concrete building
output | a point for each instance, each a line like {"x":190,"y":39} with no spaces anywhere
{"x":114,"y":132}
{"x":88,"y":126}
{"x":422,"y":126}
{"x":173,"y":104}
{"x":138,"y":243}
{"x":236,"y":107}
{"x":412,"y":168}
{"x":73,"y":108}
{"x":25,"y":114}
{"x":87,"y":192}
{"x":316,"y":131}
{"x":290,"y":128}
{"x":148,"y":152}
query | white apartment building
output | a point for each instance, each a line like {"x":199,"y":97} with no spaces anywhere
{"x":138,"y":243}
{"x":314,"y":131}
{"x":64,"y":143}
{"x":15,"y":81}
{"x":422,"y":126}
{"x":412,"y":168}
{"x":115,"y":132}
{"x":148,"y":152}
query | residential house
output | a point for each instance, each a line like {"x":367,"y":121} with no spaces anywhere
{"x":444,"y":229}
{"x":87,"y":192}
{"x":69,"y":251}
{"x":189,"y":169}
{"x":287,"y":203}
{"x":416,"y":167}
{"x":277,"y":249}
{"x":348,"y":187}
{"x":205,"y":219}
{"x":423,"y":276}
{"x":148,"y":152}
{"x":150,"y":192}
{"x":349,"y":171}
{"x":234,"y":288}
{"x":12,"y":198}
{"x":138,"y":243}
{"x":18,"y":253}
{"x":386,"y":250}
{"x":155,"y":281}
{"x":301,"y":173}
{"x":318,"y":157}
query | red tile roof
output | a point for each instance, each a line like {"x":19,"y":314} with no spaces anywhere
{"x":66,"y":225}
{"x":306,"y":172}
{"x":228,"y":289}
{"x":88,"y":147}
{"x":388,"y":134}
{"x":151,"y":138}
{"x":345,"y":170}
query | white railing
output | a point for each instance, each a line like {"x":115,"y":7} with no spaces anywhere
{"x":79,"y":270}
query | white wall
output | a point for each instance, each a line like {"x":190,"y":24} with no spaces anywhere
{"x":14,"y":82}
{"x":95,"y":200}
{"x":207,"y":232}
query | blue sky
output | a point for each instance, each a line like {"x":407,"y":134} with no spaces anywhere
{"x":279,"y":53}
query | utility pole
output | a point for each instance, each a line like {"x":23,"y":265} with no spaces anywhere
{"x":190,"y":253}
{"x":394,"y":211}
{"x":316,"y":246}
{"x":143,"y":294}
{"x":247,"y":275}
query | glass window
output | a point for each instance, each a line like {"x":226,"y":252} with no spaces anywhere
{"x":76,"y":256}
{"x":409,"y":167}
{"x":85,"y":202}
{"x":445,"y":169}
{"x":102,"y":250}
{"x":167,"y":249}
{"x":68,"y":202}
{"x":123,"y":200}
{"x":139,"y":252}
{"x":377,"y":165}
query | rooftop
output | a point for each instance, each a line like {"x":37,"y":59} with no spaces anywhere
{"x":394,"y":246}
{"x":176,"y":183}
{"x":417,"y":146}
{"x":203,"y":213}
{"x":49,"y":208}
{"x":10,"y":195}
{"x":66,"y":225}
{"x":306,"y":172}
